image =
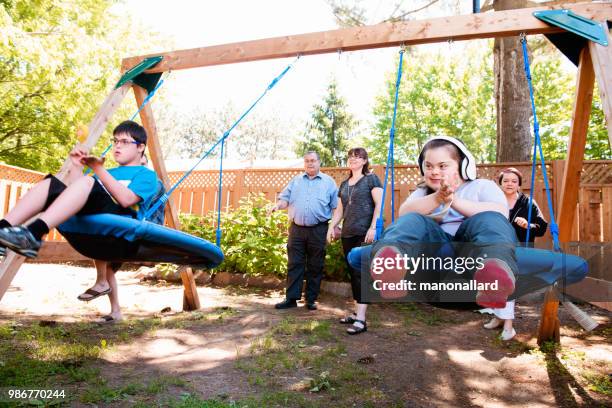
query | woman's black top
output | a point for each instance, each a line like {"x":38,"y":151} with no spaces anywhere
{"x":520,"y":210}
{"x":358,"y":205}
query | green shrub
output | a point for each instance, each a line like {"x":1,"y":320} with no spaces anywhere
{"x":255,"y":243}
{"x":335,"y":265}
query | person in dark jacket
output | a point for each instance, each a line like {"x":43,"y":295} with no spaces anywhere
{"x":510,"y":180}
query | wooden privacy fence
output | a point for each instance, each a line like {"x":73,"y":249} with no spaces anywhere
{"x":198,"y":193}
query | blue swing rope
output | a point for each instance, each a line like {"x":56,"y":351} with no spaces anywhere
{"x":390,"y":162}
{"x":218,"y":232}
{"x":537,"y":146}
{"x":164,"y":198}
{"x":142,"y":105}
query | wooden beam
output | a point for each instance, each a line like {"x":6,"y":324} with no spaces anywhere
{"x":602,"y":65}
{"x":8,"y":269}
{"x":12,"y":262}
{"x":155,"y":152}
{"x":575,"y":153}
{"x":191,"y":300}
{"x":98,"y":124}
{"x":467,"y":27}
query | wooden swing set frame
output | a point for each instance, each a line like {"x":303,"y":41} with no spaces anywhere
{"x":595,"y":63}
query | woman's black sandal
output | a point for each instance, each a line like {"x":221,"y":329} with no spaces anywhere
{"x":348,"y":319}
{"x":357,"y":330}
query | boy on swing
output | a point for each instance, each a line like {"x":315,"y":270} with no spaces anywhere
{"x":122,"y":190}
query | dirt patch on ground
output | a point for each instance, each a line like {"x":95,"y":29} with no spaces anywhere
{"x":239,"y":348}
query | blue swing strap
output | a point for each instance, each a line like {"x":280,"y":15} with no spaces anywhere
{"x":537,"y":146}
{"x":390,"y":162}
{"x":218,"y":232}
{"x":164,"y":198}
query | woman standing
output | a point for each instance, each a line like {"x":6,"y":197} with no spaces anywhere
{"x":360,"y":200}
{"x":510,"y":180}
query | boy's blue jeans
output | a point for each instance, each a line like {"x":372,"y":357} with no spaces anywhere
{"x":488,"y":233}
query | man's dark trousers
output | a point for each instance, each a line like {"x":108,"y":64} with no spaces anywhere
{"x":306,"y":252}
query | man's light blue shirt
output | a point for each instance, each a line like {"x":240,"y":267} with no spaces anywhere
{"x":311,"y":200}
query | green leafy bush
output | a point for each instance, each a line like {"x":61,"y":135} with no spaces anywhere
{"x":255,"y":243}
{"x":335,"y":265}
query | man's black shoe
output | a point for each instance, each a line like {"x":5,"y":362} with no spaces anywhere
{"x":286,"y":304}
{"x":311,"y":306}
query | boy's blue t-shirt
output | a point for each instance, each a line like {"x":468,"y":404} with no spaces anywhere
{"x":142,"y":181}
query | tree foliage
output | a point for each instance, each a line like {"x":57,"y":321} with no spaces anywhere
{"x":437,"y":98}
{"x":189,"y":134}
{"x":58,"y":61}
{"x":329,"y":130}
{"x":455,"y":98}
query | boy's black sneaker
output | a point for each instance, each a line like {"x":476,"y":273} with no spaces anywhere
{"x":20,"y":240}
{"x":2,"y":251}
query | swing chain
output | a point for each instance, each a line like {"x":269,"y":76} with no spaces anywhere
{"x":523,"y":37}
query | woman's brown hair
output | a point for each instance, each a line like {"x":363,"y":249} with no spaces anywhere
{"x":362,"y":153}
{"x":512,"y":170}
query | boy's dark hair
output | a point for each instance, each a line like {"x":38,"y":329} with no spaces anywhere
{"x":137,"y":132}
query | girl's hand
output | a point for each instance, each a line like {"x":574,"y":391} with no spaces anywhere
{"x":447,"y":190}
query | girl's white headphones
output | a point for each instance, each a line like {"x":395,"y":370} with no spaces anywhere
{"x":467,"y":167}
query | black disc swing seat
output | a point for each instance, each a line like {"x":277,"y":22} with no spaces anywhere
{"x":117,"y":238}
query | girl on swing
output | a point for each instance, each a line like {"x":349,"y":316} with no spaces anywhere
{"x":451,"y":206}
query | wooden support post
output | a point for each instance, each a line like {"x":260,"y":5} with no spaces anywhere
{"x":148,"y":121}
{"x":602,"y":65}
{"x":549,"y":322}
{"x":577,"y":142}
{"x":191,"y":300}
{"x":12,"y":263}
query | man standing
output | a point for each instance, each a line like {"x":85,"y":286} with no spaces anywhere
{"x":311,"y":198}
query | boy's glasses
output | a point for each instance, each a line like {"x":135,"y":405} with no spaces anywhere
{"x":124,"y":142}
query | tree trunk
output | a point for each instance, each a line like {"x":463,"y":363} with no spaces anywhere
{"x":511,"y":95}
